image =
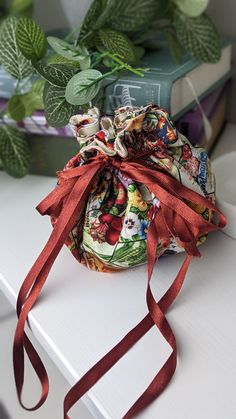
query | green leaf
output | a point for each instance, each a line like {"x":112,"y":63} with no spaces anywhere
{"x":98,"y":100}
{"x":14,"y":151}
{"x":21,"y":106}
{"x":126,"y":15}
{"x":3,"y":8}
{"x":21,"y":7}
{"x":2,"y":4}
{"x":198,"y":36}
{"x":91,"y":17}
{"x":174,"y":45}
{"x":10,"y":55}
{"x":32,"y":103}
{"x":16,"y":108}
{"x":31,"y":39}
{"x":56,"y":74}
{"x":33,"y":100}
{"x":78,"y":53}
{"x":91,"y":40}
{"x":192,"y":8}
{"x":85,"y":63}
{"x":64,"y":49}
{"x":37,"y":91}
{"x":117,"y":42}
{"x":58,"y":59}
{"x":83,"y":87}
{"x":57,"y":110}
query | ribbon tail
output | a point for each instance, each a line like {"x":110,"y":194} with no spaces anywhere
{"x":173,"y":208}
{"x":163,"y":377}
{"x":157,"y":310}
{"x":174,"y":217}
{"x":105,"y":364}
{"x":119,"y":350}
{"x":33,"y":284}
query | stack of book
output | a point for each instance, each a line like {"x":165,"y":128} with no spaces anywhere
{"x":166,"y":84}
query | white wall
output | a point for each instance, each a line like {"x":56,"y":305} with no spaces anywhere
{"x":224,"y":15}
{"x":53,"y":14}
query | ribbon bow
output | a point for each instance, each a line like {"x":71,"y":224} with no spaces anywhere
{"x":174,"y":218}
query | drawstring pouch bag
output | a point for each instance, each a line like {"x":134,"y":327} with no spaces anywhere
{"x":136,"y":190}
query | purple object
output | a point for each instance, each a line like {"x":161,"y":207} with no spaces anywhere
{"x":191,"y":123}
{"x":36,"y":124}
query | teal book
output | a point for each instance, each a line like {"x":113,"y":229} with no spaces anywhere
{"x":165,"y":83}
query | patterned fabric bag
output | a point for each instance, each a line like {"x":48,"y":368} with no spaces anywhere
{"x":136,"y":190}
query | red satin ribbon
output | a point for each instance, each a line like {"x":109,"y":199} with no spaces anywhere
{"x":174,"y":217}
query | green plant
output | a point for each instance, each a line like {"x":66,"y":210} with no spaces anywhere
{"x":72,"y":72}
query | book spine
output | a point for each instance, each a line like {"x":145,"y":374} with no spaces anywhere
{"x":136,"y":92}
{"x":227,"y":76}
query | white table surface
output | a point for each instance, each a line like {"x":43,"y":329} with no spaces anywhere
{"x":82,"y":314}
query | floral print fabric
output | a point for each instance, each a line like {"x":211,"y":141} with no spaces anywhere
{"x":112,"y":232}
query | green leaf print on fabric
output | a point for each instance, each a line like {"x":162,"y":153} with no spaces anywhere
{"x":132,"y":252}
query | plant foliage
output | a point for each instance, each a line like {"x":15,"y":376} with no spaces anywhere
{"x":72,"y":70}
{"x":10,"y":55}
{"x":31,"y":39}
{"x":192,"y":33}
{"x":57,"y":110}
{"x":14,"y":152}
